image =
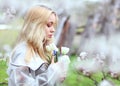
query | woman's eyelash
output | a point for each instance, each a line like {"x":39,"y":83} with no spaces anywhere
{"x":49,"y":24}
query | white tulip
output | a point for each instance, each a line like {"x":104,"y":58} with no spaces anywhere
{"x":64,"y":50}
{"x":48,"y":48}
{"x":64,"y":61}
{"x":51,"y":47}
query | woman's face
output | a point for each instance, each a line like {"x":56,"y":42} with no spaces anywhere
{"x":50,"y":29}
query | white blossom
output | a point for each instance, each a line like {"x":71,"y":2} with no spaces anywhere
{"x":89,"y":65}
{"x":114,"y":69}
{"x":83,"y":55}
{"x":106,"y":83}
{"x":86,"y":73}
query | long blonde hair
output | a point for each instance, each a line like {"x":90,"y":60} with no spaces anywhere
{"x":33,"y":31}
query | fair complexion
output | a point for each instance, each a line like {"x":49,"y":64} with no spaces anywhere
{"x":50,"y":29}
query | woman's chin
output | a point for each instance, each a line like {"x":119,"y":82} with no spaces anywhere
{"x":50,"y":39}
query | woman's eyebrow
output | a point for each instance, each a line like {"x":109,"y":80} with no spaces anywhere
{"x":51,"y":22}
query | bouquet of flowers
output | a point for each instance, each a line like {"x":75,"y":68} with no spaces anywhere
{"x":58,"y":53}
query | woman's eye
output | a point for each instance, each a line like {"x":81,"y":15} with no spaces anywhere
{"x":49,"y":24}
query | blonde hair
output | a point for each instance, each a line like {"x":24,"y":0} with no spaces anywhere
{"x":33,"y":31}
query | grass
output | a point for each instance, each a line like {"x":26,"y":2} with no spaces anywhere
{"x":3,"y":74}
{"x":8,"y":37}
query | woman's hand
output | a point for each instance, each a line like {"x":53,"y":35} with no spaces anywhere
{"x":52,"y":60}
{"x":62,"y":66}
{"x":63,"y":76}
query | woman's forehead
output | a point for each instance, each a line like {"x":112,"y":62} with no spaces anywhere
{"x":52,"y":18}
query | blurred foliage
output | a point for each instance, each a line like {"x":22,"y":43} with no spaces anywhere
{"x":3,"y":74}
{"x":79,"y":30}
{"x":8,"y":37}
{"x":76,"y":78}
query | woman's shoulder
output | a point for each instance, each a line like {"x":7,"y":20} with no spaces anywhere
{"x":18,"y":53}
{"x":18,"y":57}
{"x":20,"y":46}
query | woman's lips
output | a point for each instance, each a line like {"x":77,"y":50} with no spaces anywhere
{"x":50,"y":36}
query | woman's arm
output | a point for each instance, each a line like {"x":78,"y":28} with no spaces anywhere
{"x":20,"y":76}
{"x":51,"y":76}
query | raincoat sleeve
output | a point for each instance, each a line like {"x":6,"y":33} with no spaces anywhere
{"x":51,"y":76}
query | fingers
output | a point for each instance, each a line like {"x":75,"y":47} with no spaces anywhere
{"x":62,"y":79}
{"x":52,"y":60}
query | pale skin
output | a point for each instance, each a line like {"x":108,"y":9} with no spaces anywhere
{"x":50,"y":27}
{"x":49,"y":30}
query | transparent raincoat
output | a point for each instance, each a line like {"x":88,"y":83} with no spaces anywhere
{"x":34,"y":73}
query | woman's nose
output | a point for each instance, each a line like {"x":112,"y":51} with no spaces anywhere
{"x":52,"y":29}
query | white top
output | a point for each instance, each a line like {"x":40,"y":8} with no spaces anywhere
{"x":20,"y":74}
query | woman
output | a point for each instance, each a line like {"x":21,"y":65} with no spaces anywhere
{"x":31,"y":64}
